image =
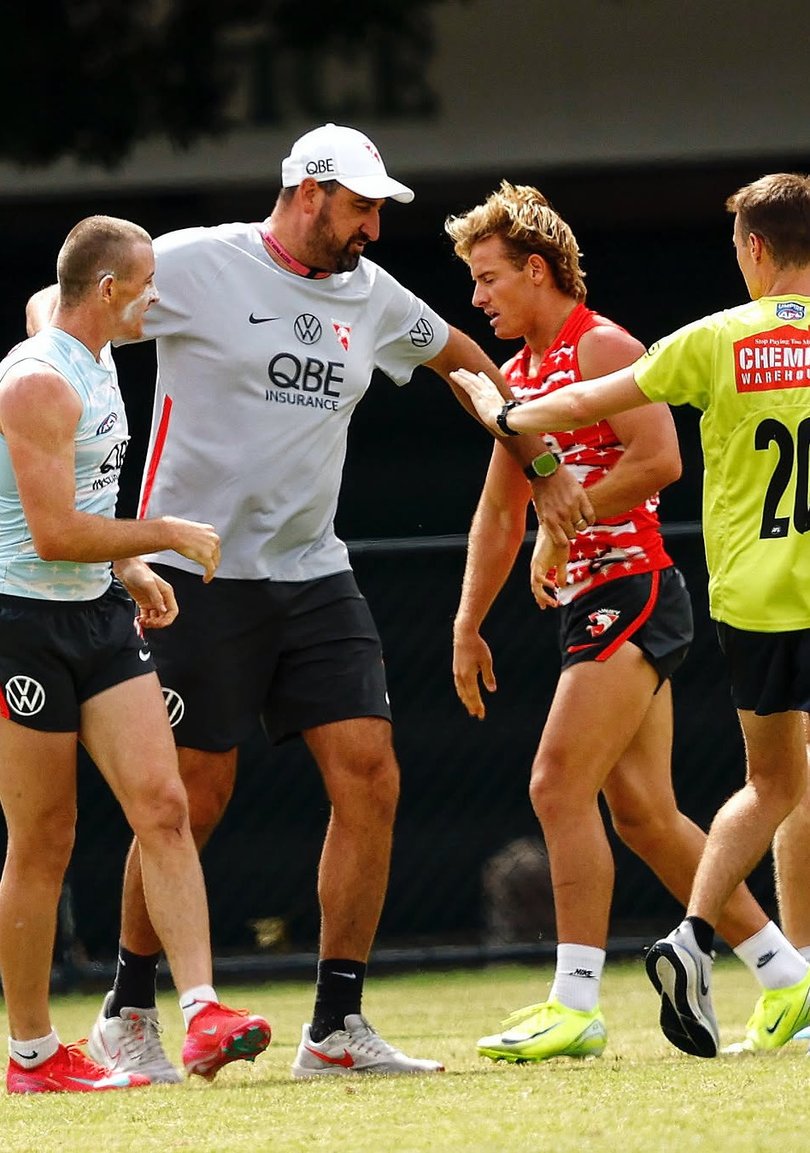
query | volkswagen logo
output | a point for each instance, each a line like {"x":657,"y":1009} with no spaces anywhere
{"x":422,"y":333}
{"x":25,"y":695}
{"x":307,"y":328}
{"x":175,"y":706}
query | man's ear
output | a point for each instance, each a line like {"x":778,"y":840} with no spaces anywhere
{"x":308,"y":193}
{"x":756,"y":246}
{"x":538,"y":268}
{"x":106,"y":287}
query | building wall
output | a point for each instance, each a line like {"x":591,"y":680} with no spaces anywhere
{"x":479,"y":86}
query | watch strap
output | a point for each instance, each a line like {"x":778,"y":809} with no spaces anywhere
{"x":500,"y":419}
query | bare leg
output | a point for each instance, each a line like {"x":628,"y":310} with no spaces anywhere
{"x":645,"y":814}
{"x":596,"y":712}
{"x":361,"y":776}
{"x":209,"y":780}
{"x":791,"y":849}
{"x":745,"y":825}
{"x":127,"y":734}
{"x":38,"y":796}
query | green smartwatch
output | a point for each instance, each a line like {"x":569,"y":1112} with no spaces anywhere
{"x":546,"y":464}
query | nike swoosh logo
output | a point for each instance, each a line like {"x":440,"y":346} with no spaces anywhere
{"x":118,"y":1080}
{"x":581,"y":648}
{"x":346,"y":1061}
{"x":772,"y":1028}
{"x":261,"y":319}
{"x":209,"y":1032}
{"x":531,"y":1037}
{"x":763,"y":961}
{"x":29,"y":1056}
{"x":348,"y":976}
{"x":143,"y":656}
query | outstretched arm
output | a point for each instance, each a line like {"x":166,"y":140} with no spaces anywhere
{"x":574,"y":406}
{"x":651,"y":458}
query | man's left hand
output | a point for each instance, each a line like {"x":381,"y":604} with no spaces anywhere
{"x":152,"y":594}
{"x":562,"y":505}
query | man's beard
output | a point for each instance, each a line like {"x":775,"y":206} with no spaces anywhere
{"x":330,"y":257}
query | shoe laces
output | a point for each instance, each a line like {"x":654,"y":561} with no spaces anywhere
{"x":141,"y":1039}
{"x":221,"y":1010}
{"x":366,"y":1039}
{"x":769,"y":1002}
{"x":218,"y":1007}
{"x":233,"y":1012}
{"x":78,"y":1062}
{"x":521,"y":1015}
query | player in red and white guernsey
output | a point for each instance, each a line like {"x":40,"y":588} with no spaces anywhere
{"x":624,"y":615}
{"x":614,"y":546}
{"x":267,"y":337}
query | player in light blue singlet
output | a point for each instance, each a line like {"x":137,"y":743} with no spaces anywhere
{"x":72,"y":665}
{"x":101,"y":442}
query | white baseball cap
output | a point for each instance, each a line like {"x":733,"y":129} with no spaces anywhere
{"x":333,"y":152}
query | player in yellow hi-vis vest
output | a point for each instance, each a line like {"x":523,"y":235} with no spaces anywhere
{"x":748,"y":370}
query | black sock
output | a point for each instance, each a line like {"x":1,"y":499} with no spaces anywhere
{"x":704,"y":933}
{"x":135,"y":982}
{"x":338,"y":993}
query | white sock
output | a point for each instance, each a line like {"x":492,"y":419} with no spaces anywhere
{"x":805,"y":952}
{"x":577,"y":976}
{"x":772,"y":959}
{"x":195,"y":999}
{"x":29,"y":1054}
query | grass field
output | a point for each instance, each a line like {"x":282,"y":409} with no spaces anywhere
{"x":641,"y":1096}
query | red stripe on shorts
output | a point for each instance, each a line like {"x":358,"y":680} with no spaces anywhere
{"x":154,"y":459}
{"x":636,"y":624}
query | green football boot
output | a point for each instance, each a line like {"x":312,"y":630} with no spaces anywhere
{"x":778,"y":1016}
{"x":549,"y":1029}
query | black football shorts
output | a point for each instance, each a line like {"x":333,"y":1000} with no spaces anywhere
{"x":652,"y":610}
{"x":769,"y":672}
{"x":55,"y":655}
{"x":295,"y":654}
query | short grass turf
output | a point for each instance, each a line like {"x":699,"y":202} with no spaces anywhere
{"x":641,"y":1095}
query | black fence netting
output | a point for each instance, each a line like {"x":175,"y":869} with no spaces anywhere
{"x":468,"y":865}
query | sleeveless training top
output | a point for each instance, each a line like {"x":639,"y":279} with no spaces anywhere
{"x":101,"y":441}
{"x":616,"y":546}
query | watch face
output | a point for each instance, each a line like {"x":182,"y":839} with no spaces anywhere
{"x":545,"y":464}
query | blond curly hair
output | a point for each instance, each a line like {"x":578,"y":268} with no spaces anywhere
{"x":526,"y":223}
